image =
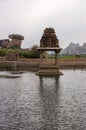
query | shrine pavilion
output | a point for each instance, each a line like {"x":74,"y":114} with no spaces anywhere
{"x":49,"y":42}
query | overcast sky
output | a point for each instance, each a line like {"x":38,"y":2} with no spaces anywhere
{"x":30,"y":17}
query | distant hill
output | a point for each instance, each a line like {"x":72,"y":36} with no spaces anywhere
{"x":74,"y":49}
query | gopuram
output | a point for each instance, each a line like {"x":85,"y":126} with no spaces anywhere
{"x":49,"y":42}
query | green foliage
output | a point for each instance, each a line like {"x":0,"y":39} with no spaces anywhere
{"x":23,"y":54}
{"x":67,"y":57}
{"x":2,"y":52}
{"x":34,"y":52}
{"x":9,"y":51}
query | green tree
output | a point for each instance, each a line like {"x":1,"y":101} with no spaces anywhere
{"x":34,"y":52}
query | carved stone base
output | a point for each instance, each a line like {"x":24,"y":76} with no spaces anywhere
{"x":48,"y":71}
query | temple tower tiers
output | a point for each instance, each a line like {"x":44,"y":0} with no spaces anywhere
{"x":49,"y":42}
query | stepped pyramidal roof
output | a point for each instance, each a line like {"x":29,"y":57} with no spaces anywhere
{"x":49,"y":38}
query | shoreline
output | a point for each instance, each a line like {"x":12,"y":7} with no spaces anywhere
{"x":33,"y":64}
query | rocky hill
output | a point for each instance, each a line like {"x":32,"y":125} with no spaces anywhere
{"x":74,"y":49}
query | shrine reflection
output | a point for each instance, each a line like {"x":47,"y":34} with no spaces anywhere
{"x":49,"y":97}
{"x":54,"y":78}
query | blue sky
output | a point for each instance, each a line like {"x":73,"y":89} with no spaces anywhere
{"x":30,"y":17}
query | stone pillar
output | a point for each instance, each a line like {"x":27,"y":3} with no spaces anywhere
{"x":41,"y":58}
{"x":56,"y":58}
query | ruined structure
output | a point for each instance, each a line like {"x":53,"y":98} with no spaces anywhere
{"x":15,"y":42}
{"x":49,"y":42}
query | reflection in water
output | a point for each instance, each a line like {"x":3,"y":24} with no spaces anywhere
{"x":49,"y":92}
{"x":55,"y":78}
{"x":33,"y":103}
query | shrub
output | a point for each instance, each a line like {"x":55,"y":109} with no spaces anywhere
{"x":2,"y":52}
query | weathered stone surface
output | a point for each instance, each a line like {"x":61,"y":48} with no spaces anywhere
{"x":49,"y":42}
{"x":10,"y":45}
{"x":16,"y":36}
{"x":49,"y":38}
{"x":15,"y":42}
{"x":49,"y":71}
{"x":4,"y":42}
{"x":16,"y":39}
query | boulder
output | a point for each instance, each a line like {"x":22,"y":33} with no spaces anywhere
{"x":16,"y":36}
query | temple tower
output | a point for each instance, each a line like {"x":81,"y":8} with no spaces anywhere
{"x":49,"y":42}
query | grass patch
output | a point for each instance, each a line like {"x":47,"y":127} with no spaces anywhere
{"x":68,"y":57}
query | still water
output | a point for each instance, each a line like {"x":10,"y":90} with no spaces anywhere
{"x":28,"y":102}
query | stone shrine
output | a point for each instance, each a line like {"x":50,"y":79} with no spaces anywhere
{"x":49,"y":42}
{"x":49,"y":38}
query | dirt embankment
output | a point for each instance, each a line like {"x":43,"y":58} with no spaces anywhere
{"x":34,"y":63}
{"x":73,"y":63}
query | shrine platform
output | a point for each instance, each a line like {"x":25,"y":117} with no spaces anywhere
{"x":48,"y":71}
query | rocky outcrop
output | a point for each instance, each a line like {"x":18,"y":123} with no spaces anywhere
{"x":16,"y":36}
{"x":4,"y":43}
{"x":74,"y":49}
{"x":16,"y":41}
